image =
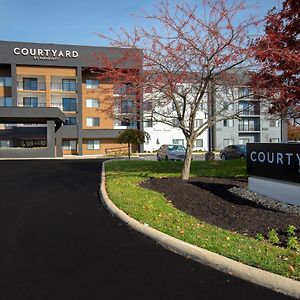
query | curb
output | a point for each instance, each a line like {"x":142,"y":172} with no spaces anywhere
{"x":266,"y":279}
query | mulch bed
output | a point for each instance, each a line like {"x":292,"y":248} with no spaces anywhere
{"x":208,"y":199}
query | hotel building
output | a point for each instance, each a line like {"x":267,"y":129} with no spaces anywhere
{"x":253,"y":125}
{"x":51,"y":100}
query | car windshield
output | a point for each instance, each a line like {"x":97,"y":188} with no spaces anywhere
{"x":242,"y":147}
{"x":176,"y":148}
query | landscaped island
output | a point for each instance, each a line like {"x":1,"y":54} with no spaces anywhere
{"x":203,"y":212}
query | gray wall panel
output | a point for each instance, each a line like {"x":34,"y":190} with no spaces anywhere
{"x":87,"y":56}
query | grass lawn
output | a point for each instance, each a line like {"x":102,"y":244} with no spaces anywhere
{"x":152,"y":208}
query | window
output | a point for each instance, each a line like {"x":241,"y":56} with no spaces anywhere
{"x":228,"y":142}
{"x":4,"y":143}
{"x":5,"y":101}
{"x":33,"y":143}
{"x":128,"y":123}
{"x":92,"y":83}
{"x":93,"y":144}
{"x":198,"y":123}
{"x":92,"y":103}
{"x":71,"y":121}
{"x":69,"y":104}
{"x":147,"y":106}
{"x":175,"y":122}
{"x":243,"y":141}
{"x":30,"y":102}
{"x":274,"y":140}
{"x":30,"y":84}
{"x":228,"y":123}
{"x":69,"y":85}
{"x":178,"y":142}
{"x":228,"y":106}
{"x":127,"y":106}
{"x":148,"y":123}
{"x":124,"y":89}
{"x":5,"y":81}
{"x":125,"y":122}
{"x":274,"y":123}
{"x":243,"y":92}
{"x":199,"y":143}
{"x":90,"y":122}
{"x":69,"y":145}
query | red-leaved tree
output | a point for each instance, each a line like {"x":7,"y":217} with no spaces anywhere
{"x":193,"y":57}
{"x":277,"y":52}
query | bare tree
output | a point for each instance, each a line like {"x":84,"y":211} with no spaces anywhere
{"x":193,"y":59}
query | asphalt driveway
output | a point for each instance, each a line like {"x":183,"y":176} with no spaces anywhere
{"x":58,"y":242}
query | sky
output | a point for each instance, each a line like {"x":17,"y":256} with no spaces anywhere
{"x":77,"y":22}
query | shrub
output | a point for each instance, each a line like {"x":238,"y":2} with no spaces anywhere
{"x":292,"y":241}
{"x":260,"y":237}
{"x":273,"y":237}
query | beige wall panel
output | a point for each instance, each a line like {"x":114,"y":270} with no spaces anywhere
{"x":102,"y":93}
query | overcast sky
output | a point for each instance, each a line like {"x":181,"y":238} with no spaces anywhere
{"x":76,"y":22}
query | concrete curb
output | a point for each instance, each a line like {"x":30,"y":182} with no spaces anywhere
{"x":275,"y":282}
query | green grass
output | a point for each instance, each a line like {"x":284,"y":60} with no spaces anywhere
{"x":152,"y":208}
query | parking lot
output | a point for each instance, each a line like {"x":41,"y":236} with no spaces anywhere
{"x":196,"y":156}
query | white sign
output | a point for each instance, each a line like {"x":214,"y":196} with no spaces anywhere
{"x":45,"y":54}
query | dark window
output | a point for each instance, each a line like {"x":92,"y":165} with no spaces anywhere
{"x":175,"y":122}
{"x":5,"y":81}
{"x":71,"y":121}
{"x":69,"y":85}
{"x":5,"y":101}
{"x":92,"y":83}
{"x":228,"y":123}
{"x":92,"y":122}
{"x":148,"y":123}
{"x":148,"y":105}
{"x":30,"y":84}
{"x":243,"y":92}
{"x":30,"y":102}
{"x":5,"y":144}
{"x":199,"y":143}
{"x":127,"y":106}
{"x":69,"y":104}
{"x":125,"y":122}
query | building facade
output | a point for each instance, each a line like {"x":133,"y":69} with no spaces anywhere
{"x":51,"y":100}
{"x":254,"y":124}
{"x":251,"y":122}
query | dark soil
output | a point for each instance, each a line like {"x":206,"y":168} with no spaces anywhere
{"x":208,"y":199}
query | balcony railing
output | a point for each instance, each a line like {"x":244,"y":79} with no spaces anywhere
{"x":252,"y":112}
{"x":63,"y":87}
{"x":64,"y":108}
{"x":33,"y":104}
{"x":255,"y":127}
{"x":40,"y":86}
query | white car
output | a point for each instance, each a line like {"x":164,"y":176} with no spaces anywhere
{"x":171,"y":152}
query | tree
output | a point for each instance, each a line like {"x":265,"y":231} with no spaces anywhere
{"x":132,"y":136}
{"x":188,"y":55}
{"x":293,"y":132}
{"x":277,"y":52}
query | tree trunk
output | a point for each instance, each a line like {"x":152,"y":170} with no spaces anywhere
{"x":185,"y":174}
{"x":129,"y":154}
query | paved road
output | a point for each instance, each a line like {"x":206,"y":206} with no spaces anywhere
{"x":58,"y":242}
